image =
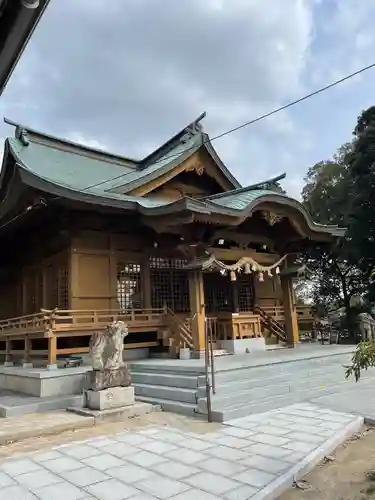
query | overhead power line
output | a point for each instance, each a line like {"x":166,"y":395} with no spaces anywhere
{"x":255,"y":120}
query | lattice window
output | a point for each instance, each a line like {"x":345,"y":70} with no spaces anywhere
{"x":62,"y":287}
{"x":217,"y":292}
{"x":57,"y":286}
{"x":245,"y":286}
{"x":52,"y":287}
{"x":128,"y":286}
{"x":169,"y":284}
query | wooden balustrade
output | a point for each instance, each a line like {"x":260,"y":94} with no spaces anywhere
{"x":59,"y":321}
{"x":304,"y":312}
{"x":238,"y":326}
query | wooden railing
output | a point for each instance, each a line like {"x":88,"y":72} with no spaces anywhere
{"x":304,"y":313}
{"x":63,"y":320}
{"x":271,"y":324}
{"x":34,"y":323}
{"x":180,"y":331}
{"x":239,"y":326}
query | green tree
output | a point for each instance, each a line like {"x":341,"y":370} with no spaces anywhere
{"x":361,"y":161}
{"x":335,"y":277}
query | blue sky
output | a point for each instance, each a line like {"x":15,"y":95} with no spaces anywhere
{"x":126,"y":75}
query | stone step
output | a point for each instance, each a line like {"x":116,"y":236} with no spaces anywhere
{"x":166,"y":393}
{"x":38,"y":405}
{"x":166,"y":379}
{"x":223,"y":413}
{"x":169,"y":405}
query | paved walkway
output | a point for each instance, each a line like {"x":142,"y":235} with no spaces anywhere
{"x":243,"y":459}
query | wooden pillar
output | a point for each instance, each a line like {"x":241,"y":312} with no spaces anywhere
{"x":27,"y":351}
{"x":52,"y":348}
{"x":197,"y":308}
{"x":235,"y":301}
{"x":146,"y":282}
{"x":8,"y":352}
{"x":290,"y":312}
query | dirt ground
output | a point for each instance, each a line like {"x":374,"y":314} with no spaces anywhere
{"x":350,"y":476}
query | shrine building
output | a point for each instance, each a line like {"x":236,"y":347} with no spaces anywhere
{"x":171,"y":244}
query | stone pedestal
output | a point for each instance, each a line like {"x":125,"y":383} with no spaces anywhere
{"x":99,"y":380}
{"x":115,"y":397}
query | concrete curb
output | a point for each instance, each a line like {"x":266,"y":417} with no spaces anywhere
{"x":274,"y":489}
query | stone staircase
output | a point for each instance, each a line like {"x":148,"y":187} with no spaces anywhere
{"x":242,"y":391}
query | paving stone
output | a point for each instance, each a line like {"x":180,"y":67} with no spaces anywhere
{"x":306,"y":438}
{"x":212,"y":483}
{"x":301,"y":446}
{"x":150,"y":431}
{"x":233,"y":442}
{"x":268,"y":451}
{"x":242,"y":493}
{"x":169,"y":436}
{"x":102,"y":441}
{"x":21,"y":466}
{"x":143,"y":496}
{"x":120,"y":450}
{"x":63,"y":464}
{"x":175,"y":470}
{"x":132,"y":439}
{"x":194,"y":444}
{"x":17,"y":493}
{"x":112,"y":489}
{"x":332,"y":425}
{"x":162,"y":487}
{"x":37,"y":479}
{"x":318,"y":431}
{"x":294,"y":457}
{"x":60,"y":491}
{"x":80,"y":451}
{"x":103,"y":462}
{"x":264,"y":463}
{"x":130,"y":473}
{"x":156,"y":446}
{"x":187,"y":456}
{"x":237,"y":432}
{"x":84,"y":477}
{"x":146,"y":459}
{"x":271,"y":440}
{"x":47,"y":455}
{"x":272,"y":430}
{"x":5,"y":480}
{"x":222,"y":467}
{"x":228,"y":453}
{"x":194,"y":494}
{"x":255,"y":477}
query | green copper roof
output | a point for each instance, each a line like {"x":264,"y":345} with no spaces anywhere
{"x":71,"y":171}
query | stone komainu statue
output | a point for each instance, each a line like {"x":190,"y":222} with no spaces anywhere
{"x":106,"y":347}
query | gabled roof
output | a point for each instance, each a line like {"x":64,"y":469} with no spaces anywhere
{"x":18,"y":20}
{"x":70,"y":171}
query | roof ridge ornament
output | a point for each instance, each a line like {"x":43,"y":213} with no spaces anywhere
{"x":194,"y":128}
{"x":21,"y":135}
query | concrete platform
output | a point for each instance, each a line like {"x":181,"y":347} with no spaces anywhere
{"x":14,"y":404}
{"x":42,"y":382}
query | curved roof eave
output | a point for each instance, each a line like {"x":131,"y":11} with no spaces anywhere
{"x":290,"y":202}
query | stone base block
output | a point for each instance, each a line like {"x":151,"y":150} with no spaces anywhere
{"x":115,"y":397}
{"x":243,"y":346}
{"x":116,"y":414}
{"x":106,"y":379}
